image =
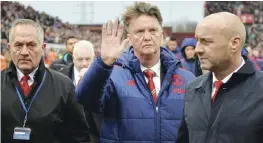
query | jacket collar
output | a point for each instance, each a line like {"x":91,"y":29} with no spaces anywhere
{"x":68,"y":70}
{"x":245,"y":70}
{"x":12,"y":72}
{"x":128,"y":60}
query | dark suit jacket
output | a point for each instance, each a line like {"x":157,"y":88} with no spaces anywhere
{"x":68,"y":71}
{"x":94,"y":120}
{"x":54,"y":117}
{"x":236,"y":116}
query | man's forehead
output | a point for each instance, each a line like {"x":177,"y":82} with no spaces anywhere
{"x":25,"y":38}
{"x":207,"y":30}
{"x":144,"y":25}
{"x":22,"y":26}
{"x":145,"y":21}
{"x":25,"y":30}
{"x":83,"y":54}
{"x":81,"y":50}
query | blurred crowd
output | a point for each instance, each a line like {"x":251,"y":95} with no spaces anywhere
{"x":55,"y":30}
{"x":254,"y":40}
{"x":253,"y":8}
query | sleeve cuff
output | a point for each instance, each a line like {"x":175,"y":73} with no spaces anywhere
{"x":102,"y":64}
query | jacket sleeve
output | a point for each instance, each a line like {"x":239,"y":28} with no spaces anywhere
{"x":75,"y":124}
{"x":95,"y":86}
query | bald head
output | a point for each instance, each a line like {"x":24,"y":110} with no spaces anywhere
{"x":220,"y":37}
{"x":83,"y":54}
{"x":227,"y":24}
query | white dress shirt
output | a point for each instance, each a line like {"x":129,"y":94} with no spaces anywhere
{"x":31,"y":76}
{"x":76,"y":76}
{"x":157,"y":75}
{"x":226,"y":78}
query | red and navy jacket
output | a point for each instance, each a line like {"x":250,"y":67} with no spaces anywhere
{"x":122,"y":94}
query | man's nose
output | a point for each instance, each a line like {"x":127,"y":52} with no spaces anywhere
{"x":199,"y":48}
{"x":85,"y":63}
{"x":24,"y":50}
{"x":147,"y":35}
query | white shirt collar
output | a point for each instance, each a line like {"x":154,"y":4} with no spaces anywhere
{"x":76,"y":76}
{"x":156,"y":69}
{"x":31,"y":75}
{"x":230,"y":75}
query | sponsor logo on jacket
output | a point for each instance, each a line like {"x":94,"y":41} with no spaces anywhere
{"x":131,"y":83}
{"x":177,"y":81}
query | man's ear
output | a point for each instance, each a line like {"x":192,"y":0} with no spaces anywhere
{"x":129,"y":38}
{"x":235,"y":43}
{"x":162,"y":37}
{"x":9,"y":46}
{"x":44,"y":46}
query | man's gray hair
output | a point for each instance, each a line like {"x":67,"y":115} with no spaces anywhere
{"x":84,"y":44}
{"x":40,"y":31}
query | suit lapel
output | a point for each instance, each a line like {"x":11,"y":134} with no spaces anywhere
{"x":71,"y":72}
{"x":204,"y":90}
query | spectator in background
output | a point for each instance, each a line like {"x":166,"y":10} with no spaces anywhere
{"x":55,"y":30}
{"x":188,"y":52}
{"x":55,"y":116}
{"x":83,"y":55}
{"x":260,"y":59}
{"x":67,"y":58}
{"x":3,"y":62}
{"x":172,"y":46}
{"x":140,"y":91}
{"x":253,"y":57}
{"x":51,"y":57}
{"x":5,"y":58}
{"x":253,"y":8}
{"x":244,"y":52}
{"x":225,"y":105}
{"x":6,"y":54}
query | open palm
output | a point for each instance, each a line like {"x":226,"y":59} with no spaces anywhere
{"x":112,"y":46}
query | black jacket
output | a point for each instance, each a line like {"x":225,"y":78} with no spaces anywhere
{"x":54,"y":117}
{"x":94,"y":120}
{"x":68,"y":71}
{"x":236,"y":116}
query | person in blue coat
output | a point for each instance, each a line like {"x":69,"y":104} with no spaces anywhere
{"x":172,"y":45}
{"x":140,"y":91}
{"x":188,"y":52}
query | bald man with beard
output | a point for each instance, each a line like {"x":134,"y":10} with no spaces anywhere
{"x":226,"y":104}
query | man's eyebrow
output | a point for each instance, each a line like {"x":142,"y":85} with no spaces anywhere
{"x":204,"y":37}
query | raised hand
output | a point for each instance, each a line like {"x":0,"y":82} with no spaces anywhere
{"x":112,"y":46}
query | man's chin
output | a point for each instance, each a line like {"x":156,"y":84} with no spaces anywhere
{"x":149,"y":52}
{"x":25,"y":69}
{"x":204,"y":67}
